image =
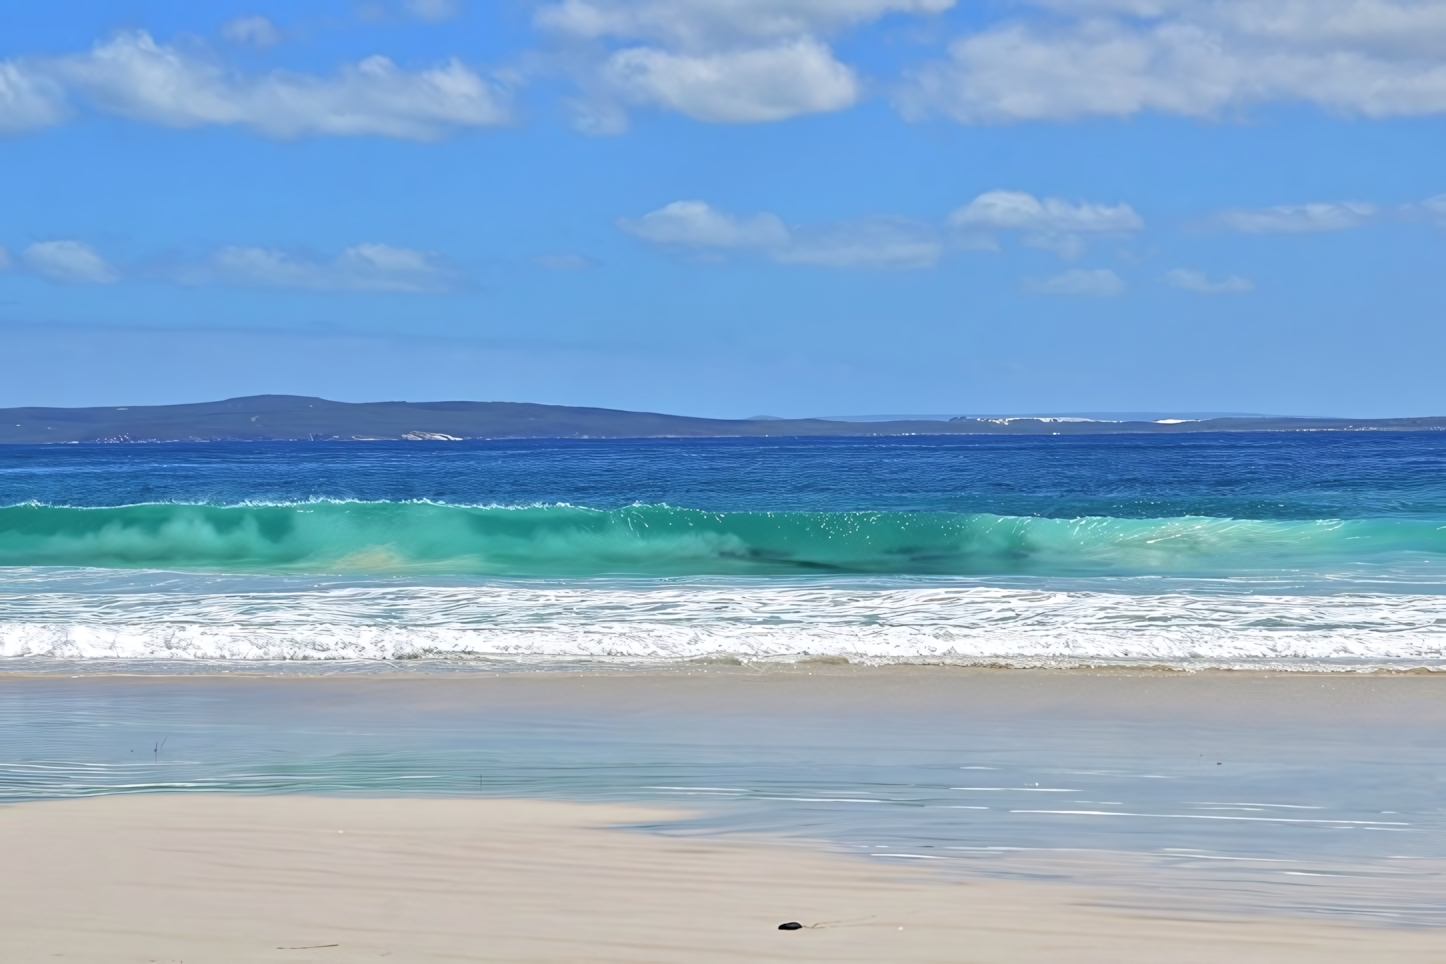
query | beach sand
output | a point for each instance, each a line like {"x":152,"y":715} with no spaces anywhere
{"x":229,"y":878}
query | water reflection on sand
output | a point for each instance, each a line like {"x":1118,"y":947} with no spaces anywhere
{"x":1296,"y":793}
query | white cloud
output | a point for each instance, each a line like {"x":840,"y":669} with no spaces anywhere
{"x":1099,"y":282}
{"x":741,"y":86}
{"x":70,"y":262}
{"x":5,"y":263}
{"x":28,"y":99}
{"x":1299,"y":218}
{"x":365,"y":267}
{"x":885,"y":243}
{"x":1435,"y":207}
{"x":133,"y":76}
{"x":1049,"y":223}
{"x":1196,"y":281}
{"x":696,"y":224}
{"x":720,"y":61}
{"x":1373,"y":58}
{"x":1018,"y":211}
{"x":251,"y":32}
{"x":709,"y":24}
{"x":434,"y":11}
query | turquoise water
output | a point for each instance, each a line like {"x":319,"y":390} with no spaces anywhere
{"x":657,"y":540}
{"x":1268,"y":549}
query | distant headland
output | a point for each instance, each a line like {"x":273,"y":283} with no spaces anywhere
{"x":299,"y":418}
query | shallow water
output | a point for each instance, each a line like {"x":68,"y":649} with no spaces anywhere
{"x":1302,"y":793}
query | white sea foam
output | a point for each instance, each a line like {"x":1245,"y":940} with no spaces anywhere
{"x":968,"y":624}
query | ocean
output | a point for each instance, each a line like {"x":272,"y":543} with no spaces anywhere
{"x":1148,"y":660}
{"x":1279,"y":550}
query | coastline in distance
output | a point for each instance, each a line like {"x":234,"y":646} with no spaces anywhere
{"x":303,"y":418}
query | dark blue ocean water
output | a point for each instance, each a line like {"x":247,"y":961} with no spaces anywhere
{"x":1245,"y":476}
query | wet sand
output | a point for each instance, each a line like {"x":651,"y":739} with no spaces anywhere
{"x":230,"y":878}
{"x":803,"y":689}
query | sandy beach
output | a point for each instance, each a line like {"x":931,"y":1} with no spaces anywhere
{"x":218,"y":878}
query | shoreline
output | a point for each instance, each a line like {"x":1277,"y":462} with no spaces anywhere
{"x":453,"y":666}
{"x":809,"y":688}
{"x":233,"y":878}
{"x":983,"y":775}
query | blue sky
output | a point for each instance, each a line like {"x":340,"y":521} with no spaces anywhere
{"x":728,"y":207}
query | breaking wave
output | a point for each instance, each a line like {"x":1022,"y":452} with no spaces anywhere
{"x":660,"y":540}
{"x":691,"y":620}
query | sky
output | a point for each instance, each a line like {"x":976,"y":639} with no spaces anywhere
{"x":728,"y":207}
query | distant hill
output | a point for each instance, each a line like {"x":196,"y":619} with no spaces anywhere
{"x":296,"y":417}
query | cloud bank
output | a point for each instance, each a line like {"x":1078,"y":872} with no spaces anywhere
{"x":763,"y":61}
{"x":1063,"y":60}
{"x":133,"y":76}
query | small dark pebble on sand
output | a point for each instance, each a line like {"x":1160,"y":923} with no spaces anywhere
{"x":792,"y":925}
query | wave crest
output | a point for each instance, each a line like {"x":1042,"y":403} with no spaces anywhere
{"x":660,"y":540}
